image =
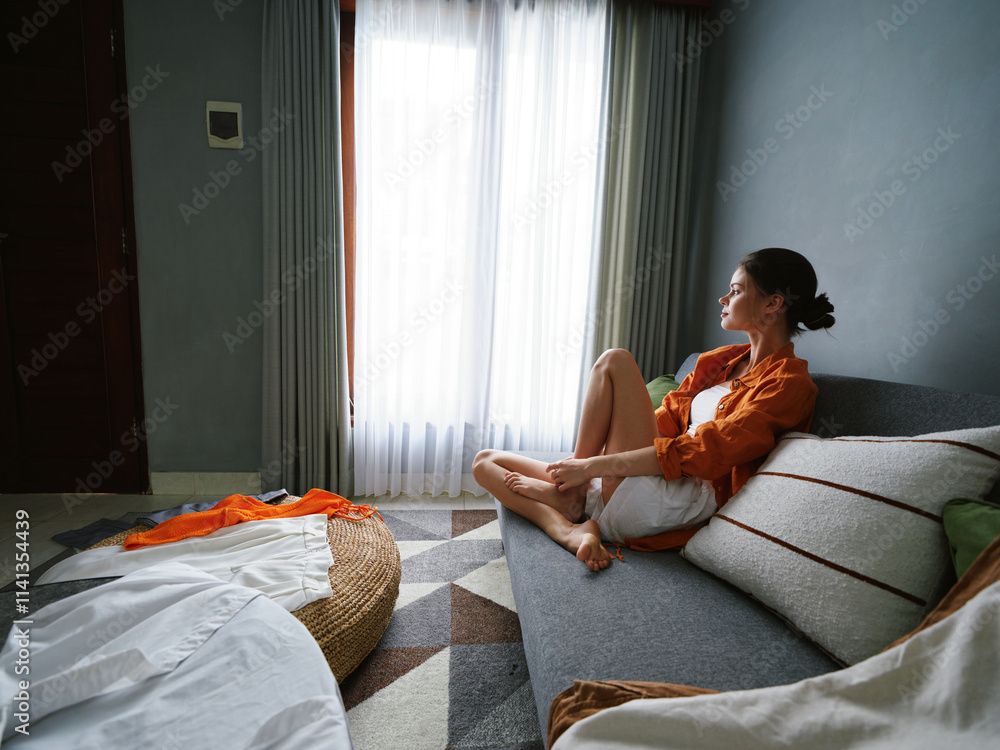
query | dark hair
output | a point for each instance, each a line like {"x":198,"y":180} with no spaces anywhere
{"x":775,"y":270}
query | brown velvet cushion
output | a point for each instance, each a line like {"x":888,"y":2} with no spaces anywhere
{"x":587,"y":697}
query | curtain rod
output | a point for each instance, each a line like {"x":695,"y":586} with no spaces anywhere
{"x":348,"y":6}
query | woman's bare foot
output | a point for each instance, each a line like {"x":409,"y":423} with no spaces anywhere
{"x":586,"y":538}
{"x":570,"y":503}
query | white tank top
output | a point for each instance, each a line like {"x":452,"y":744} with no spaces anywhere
{"x":704,"y":406}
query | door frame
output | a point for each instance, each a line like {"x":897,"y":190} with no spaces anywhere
{"x":105,"y":84}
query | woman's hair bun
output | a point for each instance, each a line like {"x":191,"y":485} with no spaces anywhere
{"x":816,"y":314}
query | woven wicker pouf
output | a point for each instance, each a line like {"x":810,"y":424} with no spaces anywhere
{"x":365,"y":580}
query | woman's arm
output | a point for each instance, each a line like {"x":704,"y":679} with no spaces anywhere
{"x":573,"y":472}
{"x":754,"y":417}
{"x":780,"y":402}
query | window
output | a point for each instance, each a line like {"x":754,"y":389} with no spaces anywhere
{"x":479,"y":150}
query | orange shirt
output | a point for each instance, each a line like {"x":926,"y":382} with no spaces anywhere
{"x":775,"y":396}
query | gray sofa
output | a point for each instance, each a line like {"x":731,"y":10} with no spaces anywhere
{"x":657,"y":617}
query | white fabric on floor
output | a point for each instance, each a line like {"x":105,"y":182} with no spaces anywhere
{"x":939,"y":689}
{"x":168,"y":657}
{"x":288,"y":559}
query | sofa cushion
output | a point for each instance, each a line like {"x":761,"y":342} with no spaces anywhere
{"x":650,"y":616}
{"x":844,"y":536}
{"x":659,"y":388}
{"x":971,"y":525}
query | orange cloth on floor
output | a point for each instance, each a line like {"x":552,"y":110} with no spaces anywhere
{"x":239,"y":509}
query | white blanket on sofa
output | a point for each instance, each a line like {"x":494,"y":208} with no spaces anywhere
{"x":939,"y":689}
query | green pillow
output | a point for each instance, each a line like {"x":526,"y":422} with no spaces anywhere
{"x":660,"y":387}
{"x":971,"y":525}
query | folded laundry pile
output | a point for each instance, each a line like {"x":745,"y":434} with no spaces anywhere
{"x":239,"y":509}
{"x":103,"y":528}
{"x":281,"y":550}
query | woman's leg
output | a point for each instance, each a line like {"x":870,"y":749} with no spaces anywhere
{"x":528,"y":477}
{"x":492,"y":469}
{"x":617,"y":414}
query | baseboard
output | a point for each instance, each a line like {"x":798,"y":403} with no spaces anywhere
{"x":215,"y":483}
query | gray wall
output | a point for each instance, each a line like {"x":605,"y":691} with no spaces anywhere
{"x":198,"y":272}
{"x":850,"y":102}
{"x":910,"y":303}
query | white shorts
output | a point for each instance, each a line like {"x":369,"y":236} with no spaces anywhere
{"x":643,"y":506}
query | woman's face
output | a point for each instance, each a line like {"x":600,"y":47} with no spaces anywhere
{"x":742,"y":308}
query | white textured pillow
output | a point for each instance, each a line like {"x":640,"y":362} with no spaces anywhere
{"x":843,"y":537}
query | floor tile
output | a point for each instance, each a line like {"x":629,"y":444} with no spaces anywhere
{"x":39,"y":507}
{"x":406,"y":502}
{"x":481,"y":502}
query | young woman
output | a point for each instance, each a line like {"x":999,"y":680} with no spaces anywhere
{"x":644,"y":477}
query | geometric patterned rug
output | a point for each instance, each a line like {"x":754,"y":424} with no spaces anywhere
{"x":449,"y":672}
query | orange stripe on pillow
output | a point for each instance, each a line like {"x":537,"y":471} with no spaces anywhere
{"x":863,"y":493}
{"x":823,"y":561}
{"x":958,"y":443}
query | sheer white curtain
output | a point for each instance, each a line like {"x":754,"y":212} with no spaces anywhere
{"x":480,"y":148}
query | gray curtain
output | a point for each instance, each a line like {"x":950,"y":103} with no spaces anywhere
{"x":654,"y":95}
{"x":306,"y":408}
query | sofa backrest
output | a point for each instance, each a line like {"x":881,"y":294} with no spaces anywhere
{"x":860,"y":406}
{"x":848,"y":405}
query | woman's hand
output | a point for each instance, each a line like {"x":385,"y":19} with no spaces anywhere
{"x":568,"y":473}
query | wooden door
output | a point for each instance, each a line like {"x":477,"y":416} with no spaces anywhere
{"x":70,"y":376}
